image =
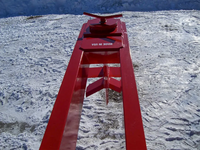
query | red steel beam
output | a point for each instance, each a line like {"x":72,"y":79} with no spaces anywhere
{"x":101,"y":57}
{"x":59,"y":124}
{"x":99,"y":72}
{"x":134,"y":132}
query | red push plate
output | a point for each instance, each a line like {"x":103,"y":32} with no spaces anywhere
{"x":102,"y":44}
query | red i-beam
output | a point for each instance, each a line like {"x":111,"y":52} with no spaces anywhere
{"x":102,"y":40}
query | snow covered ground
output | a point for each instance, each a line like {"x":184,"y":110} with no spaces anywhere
{"x":41,"y":7}
{"x":165,"y":49}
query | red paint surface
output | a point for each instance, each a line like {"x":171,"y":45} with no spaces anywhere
{"x":96,"y":45}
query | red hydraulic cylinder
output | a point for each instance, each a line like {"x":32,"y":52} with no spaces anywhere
{"x":103,"y":40}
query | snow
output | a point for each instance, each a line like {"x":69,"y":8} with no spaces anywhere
{"x":41,"y":7}
{"x":35,"y":51}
